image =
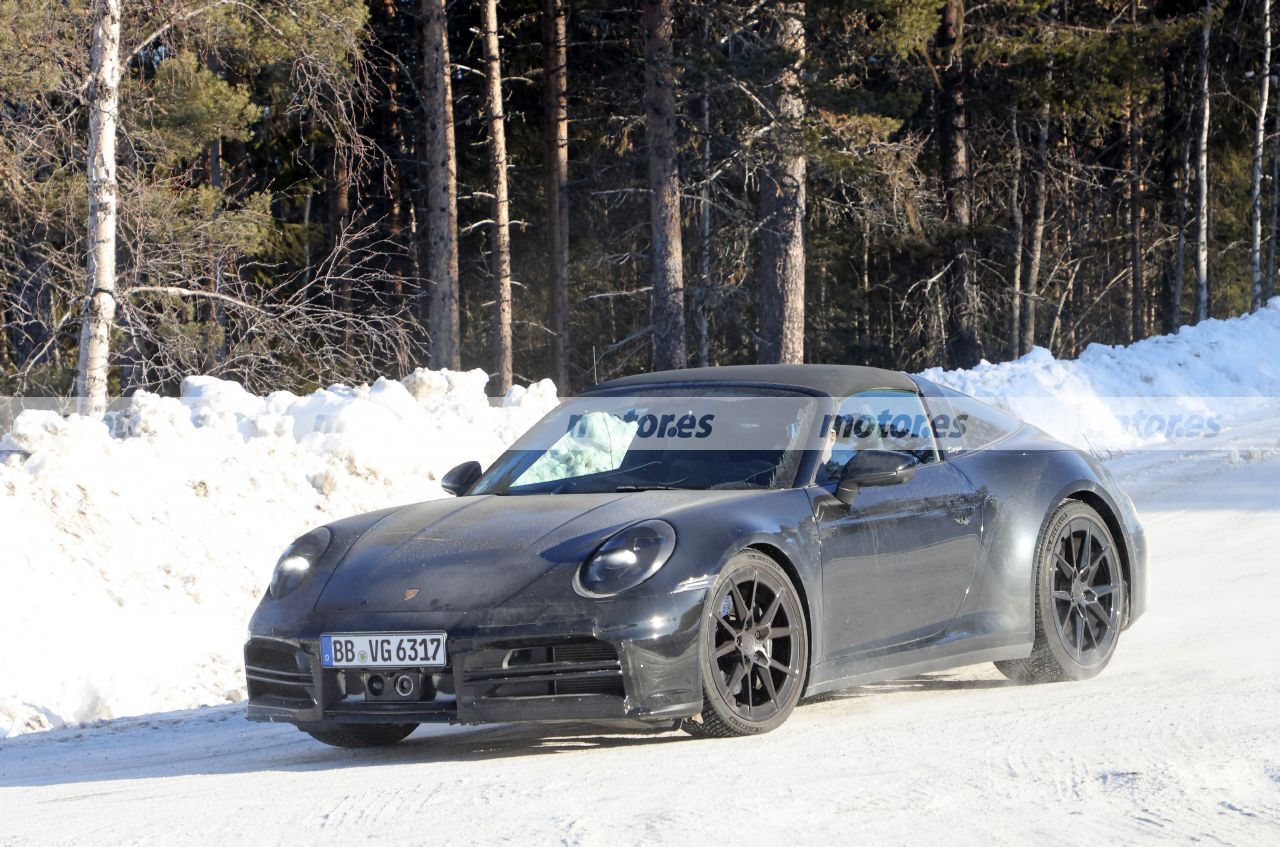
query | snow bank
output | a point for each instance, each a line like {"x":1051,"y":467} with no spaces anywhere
{"x":132,"y":552}
{"x":1109,"y":397}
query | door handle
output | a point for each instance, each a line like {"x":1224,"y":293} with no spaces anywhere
{"x":963,"y":513}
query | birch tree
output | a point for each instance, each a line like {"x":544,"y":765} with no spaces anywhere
{"x":103,"y":98}
{"x":1259,"y":143}
{"x":1202,"y":170}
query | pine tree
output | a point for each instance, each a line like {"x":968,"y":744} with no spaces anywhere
{"x":666,"y":255}
{"x":441,"y":188}
{"x":556,"y":115}
{"x":782,"y":207}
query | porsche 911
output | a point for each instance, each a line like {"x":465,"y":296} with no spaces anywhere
{"x":705,"y":548}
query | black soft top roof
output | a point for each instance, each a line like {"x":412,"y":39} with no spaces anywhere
{"x":832,"y":380}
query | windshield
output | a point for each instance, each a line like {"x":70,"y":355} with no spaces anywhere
{"x":672,"y":438}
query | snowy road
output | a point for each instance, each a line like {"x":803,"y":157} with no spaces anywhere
{"x":1178,"y":740}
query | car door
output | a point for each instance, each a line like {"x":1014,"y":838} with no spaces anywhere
{"x":896,"y":562}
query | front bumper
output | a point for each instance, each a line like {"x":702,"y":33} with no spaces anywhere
{"x":632,"y":659}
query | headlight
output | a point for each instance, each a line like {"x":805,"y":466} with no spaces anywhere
{"x":295,"y":565}
{"x":627,"y":559}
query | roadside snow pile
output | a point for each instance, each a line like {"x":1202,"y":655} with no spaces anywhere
{"x":1221,"y":372}
{"x":133,"y":552}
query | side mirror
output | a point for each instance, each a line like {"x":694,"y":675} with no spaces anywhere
{"x":874,"y":467}
{"x":458,"y":480}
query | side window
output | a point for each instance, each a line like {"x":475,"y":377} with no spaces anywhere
{"x":965,"y":424}
{"x":881,"y":419}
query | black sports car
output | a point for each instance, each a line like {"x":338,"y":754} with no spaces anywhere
{"x":705,"y":547}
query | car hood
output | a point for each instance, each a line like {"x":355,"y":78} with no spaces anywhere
{"x":469,"y":553}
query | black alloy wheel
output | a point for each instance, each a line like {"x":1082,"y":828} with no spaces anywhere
{"x":1087,"y":585}
{"x":1080,"y":599}
{"x":755,"y":649}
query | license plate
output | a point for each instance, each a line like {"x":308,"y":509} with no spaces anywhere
{"x":384,"y":650}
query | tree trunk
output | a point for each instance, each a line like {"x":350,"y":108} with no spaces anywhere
{"x":1137,"y":292}
{"x":1170,"y":121}
{"x":782,"y":210}
{"x":339,"y":223}
{"x":501,"y":204}
{"x":442,"y":188}
{"x":1268,"y":287}
{"x":1015,"y":238}
{"x":1202,"y":172}
{"x":307,"y":200}
{"x":864,"y":308}
{"x":1259,"y":143}
{"x":1180,"y":251}
{"x":388,"y":129}
{"x":664,"y":187}
{"x":100,"y":304}
{"x":214,"y":150}
{"x":1035,"y":251}
{"x":211,"y":312}
{"x":963,"y":347}
{"x":705,"y":299}
{"x":556,"y":104}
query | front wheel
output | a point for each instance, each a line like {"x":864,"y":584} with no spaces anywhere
{"x":358,"y":736}
{"x":1080,"y":599}
{"x":754,"y":649}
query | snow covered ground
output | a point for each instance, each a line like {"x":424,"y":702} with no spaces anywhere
{"x":1178,"y":740}
{"x":170,"y":520}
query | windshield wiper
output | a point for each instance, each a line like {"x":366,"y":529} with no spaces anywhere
{"x":648,"y":487}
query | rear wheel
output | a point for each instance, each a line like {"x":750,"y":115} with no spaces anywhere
{"x":356,"y":736}
{"x":754,"y":650}
{"x":1080,"y":599}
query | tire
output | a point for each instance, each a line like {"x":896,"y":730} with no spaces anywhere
{"x":1079,"y":612}
{"x":754,"y":650}
{"x":358,"y":736}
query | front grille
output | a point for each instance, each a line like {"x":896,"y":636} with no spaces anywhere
{"x":587,"y":650}
{"x":577,"y":666}
{"x":610,"y":686}
{"x":278,"y":674}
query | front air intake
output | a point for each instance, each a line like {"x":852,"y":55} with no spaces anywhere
{"x":574,"y":666}
{"x":278,"y":674}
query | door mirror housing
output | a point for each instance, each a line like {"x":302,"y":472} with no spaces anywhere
{"x":874,"y":467}
{"x":461,"y":478}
